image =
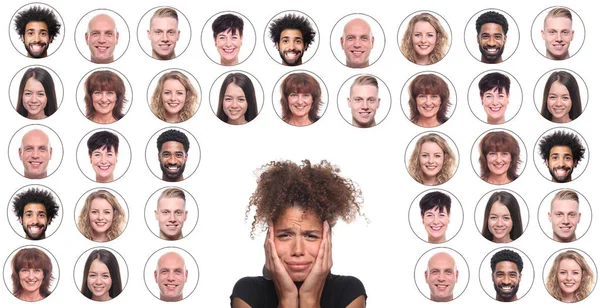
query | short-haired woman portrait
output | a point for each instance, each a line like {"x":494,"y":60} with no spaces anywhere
{"x":174,"y":99}
{"x":102,"y":218}
{"x":425,"y":41}
{"x":298,"y":205}
{"x":432,"y":161}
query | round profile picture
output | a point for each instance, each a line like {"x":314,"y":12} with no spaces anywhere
{"x":498,"y":156}
{"x":565,"y":215}
{"x":424,"y":37}
{"x":428,"y":99}
{"x":300,"y":98}
{"x":442,"y":274}
{"x":570,"y":275}
{"x":101,"y":214}
{"x":104,"y":95}
{"x":35,"y":212}
{"x":31,"y":273}
{"x":558,"y":33}
{"x":560,"y":95}
{"x":364,"y":101}
{"x":34,"y":147}
{"x":562,"y":155}
{"x":169,"y":151}
{"x":490,"y":95}
{"x":107,"y":151}
{"x":171,"y":213}
{"x":501,"y":216}
{"x":171,"y":274}
{"x":36,"y":92}
{"x":357,"y":40}
{"x":174,"y":95}
{"x":36,"y":30}
{"x":100,"y":274}
{"x":511,"y":272}
{"x":164,"y":33}
{"x":291,"y":38}
{"x":102,"y":36}
{"x":487,"y":36}
{"x":431,"y":158}
{"x":228,"y":38}
{"x":431,"y":213}
{"x":236,"y":97}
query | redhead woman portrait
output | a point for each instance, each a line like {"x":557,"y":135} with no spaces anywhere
{"x":102,"y":218}
{"x":175,"y":99}
{"x":571,"y":278}
{"x":499,"y":158}
{"x":101,"y":276}
{"x":237,"y":100}
{"x":31,"y":274}
{"x":300,"y":99}
{"x":425,"y":40}
{"x":37,"y":95}
{"x":104,"y":97}
{"x":429,"y":100}
{"x":502,"y":221}
{"x":432,"y":161}
{"x":298,"y":205}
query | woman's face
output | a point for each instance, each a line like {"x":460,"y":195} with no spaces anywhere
{"x":494,"y":103}
{"x":103,"y":162}
{"x":228,"y":45}
{"x":428,"y":105}
{"x":424,"y":38}
{"x":173,"y":96}
{"x":101,"y":215}
{"x":104,"y":101}
{"x":436,"y":224}
{"x":498,"y":162}
{"x":99,"y":281}
{"x":234,"y":103}
{"x":34,"y":99}
{"x":569,"y":276}
{"x":500,"y":223}
{"x":298,"y":236}
{"x":31,"y":279}
{"x":431,"y":159}
{"x":559,"y":102}
{"x":300,"y":104}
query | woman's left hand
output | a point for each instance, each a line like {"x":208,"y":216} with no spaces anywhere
{"x":312,"y":288}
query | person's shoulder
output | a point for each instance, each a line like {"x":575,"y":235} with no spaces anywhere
{"x":340,"y":291}
{"x":346,"y":282}
{"x":255,"y":291}
{"x":252,"y":282}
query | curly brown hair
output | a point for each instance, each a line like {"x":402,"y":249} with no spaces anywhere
{"x":317,"y":189}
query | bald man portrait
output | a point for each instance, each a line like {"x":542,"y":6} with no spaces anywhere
{"x":102,"y":37}
{"x":35,"y":152}
{"x":357,"y":43}
{"x":171,"y":276}
{"x":441,"y":276}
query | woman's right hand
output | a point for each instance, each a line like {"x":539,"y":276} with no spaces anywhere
{"x":286,"y":289}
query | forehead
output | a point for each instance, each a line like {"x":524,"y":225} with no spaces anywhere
{"x":171,"y":202}
{"x":229,"y":31}
{"x":36,"y":138}
{"x":558,"y":23}
{"x":364,"y":90}
{"x":430,"y":146}
{"x":98,"y":266}
{"x":441,"y":261}
{"x":35,"y":25}
{"x":495,"y":90}
{"x":100,"y":203}
{"x":492,"y":28}
{"x":569,"y":263}
{"x":35,"y":207}
{"x":163,"y":23}
{"x":424,"y":26}
{"x":506,"y":266}
{"x":565,"y":205}
{"x":436,"y":209}
{"x":172,"y":83}
{"x":295,"y":217}
{"x":105,"y":149}
{"x":561,"y":149}
{"x":172,"y":146}
{"x":291,"y":33}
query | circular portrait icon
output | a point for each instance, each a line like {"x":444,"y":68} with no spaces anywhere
{"x":357,"y":40}
{"x":171,"y":213}
{"x":565,"y":215}
{"x":490,"y":95}
{"x":424,"y":37}
{"x":291,"y":38}
{"x":560,"y":96}
{"x":35,"y":212}
{"x":562,"y":33}
{"x":428,"y":99}
{"x":487,"y":36}
{"x":498,"y":156}
{"x":563,"y":155}
{"x":31,"y":273}
{"x":171,"y":274}
{"x":164,"y":33}
{"x":511,"y":272}
{"x":236,"y":97}
{"x":109,"y":155}
{"x":300,"y":98}
{"x":36,"y":92}
{"x":501,"y":216}
{"x":102,"y":36}
{"x":169,"y":151}
{"x":446,"y":274}
{"x":101,"y":215}
{"x":361,"y":97}
{"x":36,"y":30}
{"x":430,"y":215}
{"x":228,"y":38}
{"x":174,"y":95}
{"x":431,"y":158}
{"x":570,"y":275}
{"x":34,"y":147}
{"x":104,"y":95}
{"x":100,"y":274}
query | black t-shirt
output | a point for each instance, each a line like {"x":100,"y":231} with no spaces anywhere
{"x":259,"y":292}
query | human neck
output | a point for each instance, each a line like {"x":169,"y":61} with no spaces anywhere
{"x":238,"y":121}
{"x":569,"y":239}
{"x":103,"y":118}
{"x":500,"y":120}
{"x":423,"y":60}
{"x":103,"y":298}
{"x":37,"y":116}
{"x":99,"y":237}
{"x":553,"y":57}
{"x":365,"y":125}
{"x":31,"y":296}
{"x":172,"y":118}
{"x":296,"y":121}
{"x":498,"y":179}
{"x":428,"y":122}
{"x":563,"y":119}
{"x":231,"y":62}
{"x":430,"y":181}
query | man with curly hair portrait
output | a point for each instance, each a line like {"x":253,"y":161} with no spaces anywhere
{"x":491,"y":36}
{"x":37,"y":27}
{"x":562,"y":151}
{"x":35,"y":208}
{"x":292,"y":35}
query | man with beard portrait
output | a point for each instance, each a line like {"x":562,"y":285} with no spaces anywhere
{"x":491,"y":36}
{"x":173,"y":147}
{"x":507,"y":267}
{"x":291,"y":34}
{"x":561,"y":151}
{"x":37,"y":27}
{"x":36,"y":208}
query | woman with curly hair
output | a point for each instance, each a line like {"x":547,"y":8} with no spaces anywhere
{"x":174,"y":99}
{"x":570,"y":279}
{"x":425,"y":41}
{"x":102,"y":218}
{"x":298,"y":205}
{"x":432,"y":161}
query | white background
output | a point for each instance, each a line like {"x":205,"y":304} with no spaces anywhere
{"x":381,"y":254}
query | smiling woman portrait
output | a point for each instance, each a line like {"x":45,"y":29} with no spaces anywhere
{"x":37,"y":95}
{"x":102,"y":218}
{"x":499,"y":158}
{"x":571,"y":278}
{"x":31,"y":274}
{"x":429,"y":100}
{"x":174,"y":99}
{"x":104,"y":97}
{"x":298,"y":205}
{"x":300,"y":99}
{"x":101,"y":276}
{"x":425,"y":40}
{"x":432,"y":161}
